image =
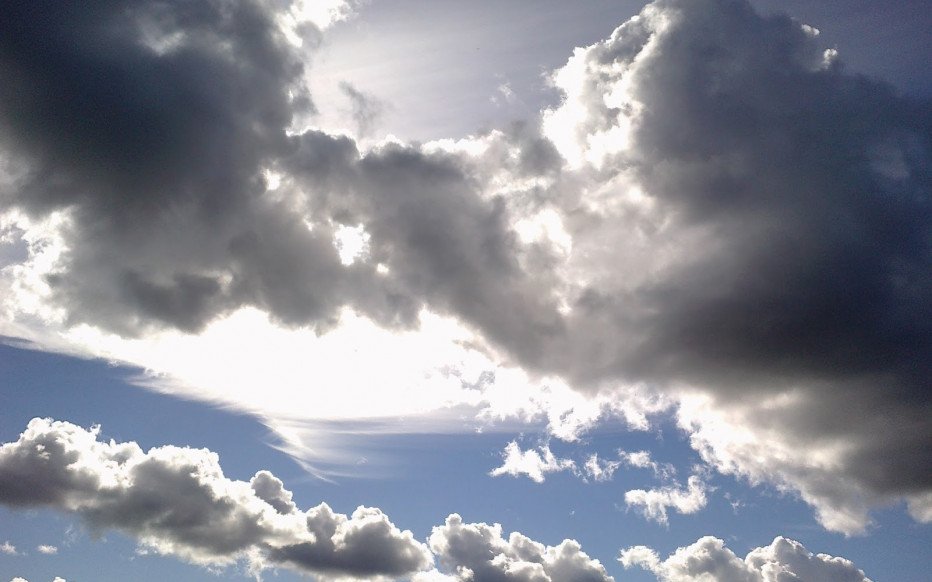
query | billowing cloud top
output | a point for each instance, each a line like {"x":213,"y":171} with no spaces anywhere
{"x":716,"y":210}
{"x":176,"y":500}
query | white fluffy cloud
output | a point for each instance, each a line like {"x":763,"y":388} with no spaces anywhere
{"x":478,"y":552}
{"x":534,"y":464}
{"x":708,"y":560}
{"x":654,"y":503}
{"x":47,"y":549}
{"x":176,"y":500}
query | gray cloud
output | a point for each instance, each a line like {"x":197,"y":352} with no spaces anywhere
{"x":478,"y":552}
{"x":774,"y":257}
{"x":754,"y":232}
{"x":365,"y":109}
{"x":708,"y":558}
{"x":177,"y":501}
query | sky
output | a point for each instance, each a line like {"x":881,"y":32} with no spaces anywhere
{"x":442,"y":292}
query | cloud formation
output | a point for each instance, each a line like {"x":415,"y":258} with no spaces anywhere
{"x":176,"y":500}
{"x":478,"y":552}
{"x":654,"y":503}
{"x":534,"y":464}
{"x":767,"y":220}
{"x":709,"y":559}
{"x":716,"y":210}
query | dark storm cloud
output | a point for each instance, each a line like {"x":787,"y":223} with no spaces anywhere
{"x":176,"y":500}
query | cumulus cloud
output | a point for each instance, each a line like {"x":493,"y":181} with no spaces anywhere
{"x":478,"y":552}
{"x":716,"y":210}
{"x":8,"y":549}
{"x":709,"y":559}
{"x":47,"y":549}
{"x":772,"y":259}
{"x":654,"y":503}
{"x":534,"y":464}
{"x":176,"y":501}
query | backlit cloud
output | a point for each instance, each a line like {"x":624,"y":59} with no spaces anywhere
{"x":176,"y":501}
{"x":716,"y":220}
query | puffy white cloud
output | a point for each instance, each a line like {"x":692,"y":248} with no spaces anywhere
{"x":47,"y":549}
{"x":654,"y":503}
{"x":478,"y":552}
{"x":600,"y":469}
{"x":534,"y":464}
{"x":709,"y":560}
{"x":8,"y":548}
{"x":176,"y":500}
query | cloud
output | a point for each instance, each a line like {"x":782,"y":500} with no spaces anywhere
{"x":599,"y":469}
{"x":654,"y":503}
{"x":477,"y":551}
{"x":47,"y":549}
{"x":643,"y":460}
{"x":365,"y":109}
{"x":176,"y":500}
{"x":716,"y":211}
{"x":772,"y":217}
{"x":709,"y":559}
{"x":533,"y":464}
{"x":8,"y":549}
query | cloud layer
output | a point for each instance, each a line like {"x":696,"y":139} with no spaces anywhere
{"x":716,"y":210}
{"x":176,"y":501}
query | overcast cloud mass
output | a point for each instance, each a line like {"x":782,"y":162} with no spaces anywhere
{"x":718,"y":221}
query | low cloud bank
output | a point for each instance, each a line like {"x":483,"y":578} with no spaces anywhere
{"x":176,"y":501}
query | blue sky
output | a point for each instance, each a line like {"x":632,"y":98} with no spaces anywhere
{"x":656,"y":299}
